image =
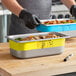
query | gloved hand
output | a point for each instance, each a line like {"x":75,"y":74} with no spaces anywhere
{"x":73,"y":10}
{"x":31,"y":21}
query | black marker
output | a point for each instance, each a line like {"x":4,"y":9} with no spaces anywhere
{"x":68,"y":57}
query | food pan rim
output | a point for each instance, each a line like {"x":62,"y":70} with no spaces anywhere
{"x":56,"y":24}
{"x":13,"y":37}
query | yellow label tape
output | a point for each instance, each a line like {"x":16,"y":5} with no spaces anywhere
{"x":36,"y":44}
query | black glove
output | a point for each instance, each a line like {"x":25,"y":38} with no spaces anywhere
{"x":31,"y":21}
{"x":73,"y":10}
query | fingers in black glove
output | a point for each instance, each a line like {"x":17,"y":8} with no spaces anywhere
{"x":31,"y":21}
{"x":73,"y":10}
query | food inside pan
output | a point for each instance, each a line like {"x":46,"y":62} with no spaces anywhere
{"x":49,"y":35}
{"x":58,"y":22}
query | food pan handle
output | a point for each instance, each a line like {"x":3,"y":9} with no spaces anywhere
{"x":36,"y":19}
{"x":7,"y":37}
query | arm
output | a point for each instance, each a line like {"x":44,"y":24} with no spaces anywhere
{"x":31,"y":21}
{"x":69,"y":3}
{"x":13,"y":6}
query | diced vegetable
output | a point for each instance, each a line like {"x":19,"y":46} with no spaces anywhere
{"x":49,"y":35}
{"x":18,"y":39}
{"x":59,"y":22}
